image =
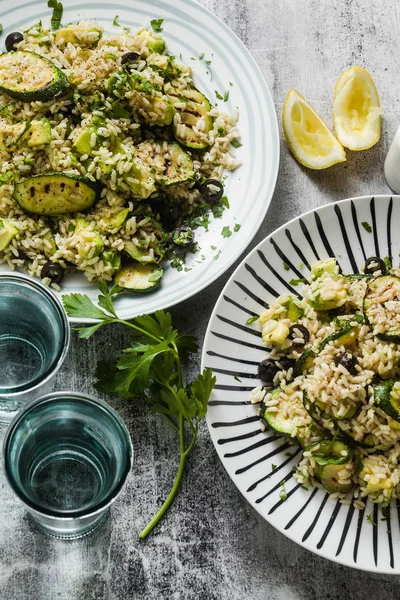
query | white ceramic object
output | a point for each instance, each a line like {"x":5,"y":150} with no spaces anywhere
{"x":233,"y":349}
{"x":392,"y":164}
{"x":191,"y":30}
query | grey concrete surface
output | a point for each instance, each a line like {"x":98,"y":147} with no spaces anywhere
{"x":213,"y":545}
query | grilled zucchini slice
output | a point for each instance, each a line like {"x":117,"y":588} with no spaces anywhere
{"x":381,"y":302}
{"x":28,"y":77}
{"x":387,"y":397}
{"x":139,"y":278}
{"x":191,"y":105}
{"x":55,"y":194}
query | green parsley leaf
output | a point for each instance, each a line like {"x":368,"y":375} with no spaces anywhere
{"x":286,"y":266}
{"x":236,"y":144}
{"x":208,"y":62}
{"x":213,"y":247}
{"x":230,"y":83}
{"x":251,"y":320}
{"x":218,"y":95}
{"x":282,"y":493}
{"x":367,"y":226}
{"x":226,"y":232}
{"x":226,"y":96}
{"x":236,"y":227}
{"x":156,"y":24}
{"x":115,"y":22}
{"x":387,"y":262}
{"x":57,"y":13}
{"x":237,"y":378}
{"x":224,"y":200}
{"x":111,"y":56}
{"x":385,"y":513}
{"x":80,"y":305}
{"x":301,"y":266}
{"x":371,"y":519}
{"x":201,"y":56}
{"x":273,"y":467}
{"x":298,"y":281}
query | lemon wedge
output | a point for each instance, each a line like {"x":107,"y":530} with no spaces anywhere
{"x":307,"y":135}
{"x":356,"y":110}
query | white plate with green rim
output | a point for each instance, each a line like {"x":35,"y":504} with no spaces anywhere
{"x":191,"y":30}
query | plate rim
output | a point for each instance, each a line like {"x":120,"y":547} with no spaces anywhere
{"x":287,"y":533}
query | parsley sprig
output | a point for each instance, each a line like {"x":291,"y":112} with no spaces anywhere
{"x":151,"y":368}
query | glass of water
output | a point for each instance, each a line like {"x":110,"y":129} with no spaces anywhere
{"x":34,"y":340}
{"x":67,"y":456}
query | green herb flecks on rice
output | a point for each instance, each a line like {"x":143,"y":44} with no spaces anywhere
{"x":332,"y":381}
{"x":129,"y":120}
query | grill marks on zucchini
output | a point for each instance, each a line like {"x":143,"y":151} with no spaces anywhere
{"x":55,"y":194}
{"x":28,"y":77}
{"x":191,"y":105}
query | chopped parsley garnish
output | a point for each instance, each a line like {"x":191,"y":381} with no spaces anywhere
{"x":4,"y":177}
{"x":115,"y":22}
{"x":387,"y":262}
{"x":273,"y":467}
{"x":366,"y":226}
{"x":201,"y":56}
{"x":282,"y":493}
{"x":286,"y":266}
{"x":226,"y":96}
{"x":217,"y":255}
{"x":218,"y":95}
{"x":1,"y":28}
{"x":57,"y":13}
{"x":297,"y":281}
{"x":236,"y":227}
{"x":237,"y":379}
{"x":236,"y":143}
{"x":208,"y":62}
{"x":225,"y":201}
{"x":156,"y":24}
{"x":371,"y":520}
{"x":251,"y":320}
{"x":301,"y":266}
{"x":112,"y":56}
{"x":213,"y":247}
{"x":226,"y":232}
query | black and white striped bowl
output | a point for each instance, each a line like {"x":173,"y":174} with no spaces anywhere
{"x":233,"y":350}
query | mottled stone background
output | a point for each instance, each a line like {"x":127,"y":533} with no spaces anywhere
{"x":213,"y":545}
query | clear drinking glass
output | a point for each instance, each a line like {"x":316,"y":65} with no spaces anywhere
{"x":67,"y":457}
{"x":34,"y":340}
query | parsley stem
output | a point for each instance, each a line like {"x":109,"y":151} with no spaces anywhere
{"x":139,"y":329}
{"x":145,"y":532}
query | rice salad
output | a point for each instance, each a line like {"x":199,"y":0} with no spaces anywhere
{"x":331,"y":380}
{"x":108,"y":153}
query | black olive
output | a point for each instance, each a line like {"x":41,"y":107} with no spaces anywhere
{"x":267,"y":369}
{"x":53,"y":271}
{"x":129,"y":57}
{"x":348,"y":361}
{"x":373,"y":263}
{"x":287,"y":363}
{"x":298,"y":332}
{"x":183,"y":237}
{"x":12,"y":39}
{"x":212,"y":196}
{"x":169,"y":217}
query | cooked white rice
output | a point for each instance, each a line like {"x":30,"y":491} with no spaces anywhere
{"x":327,"y":400}
{"x":89,"y":61}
